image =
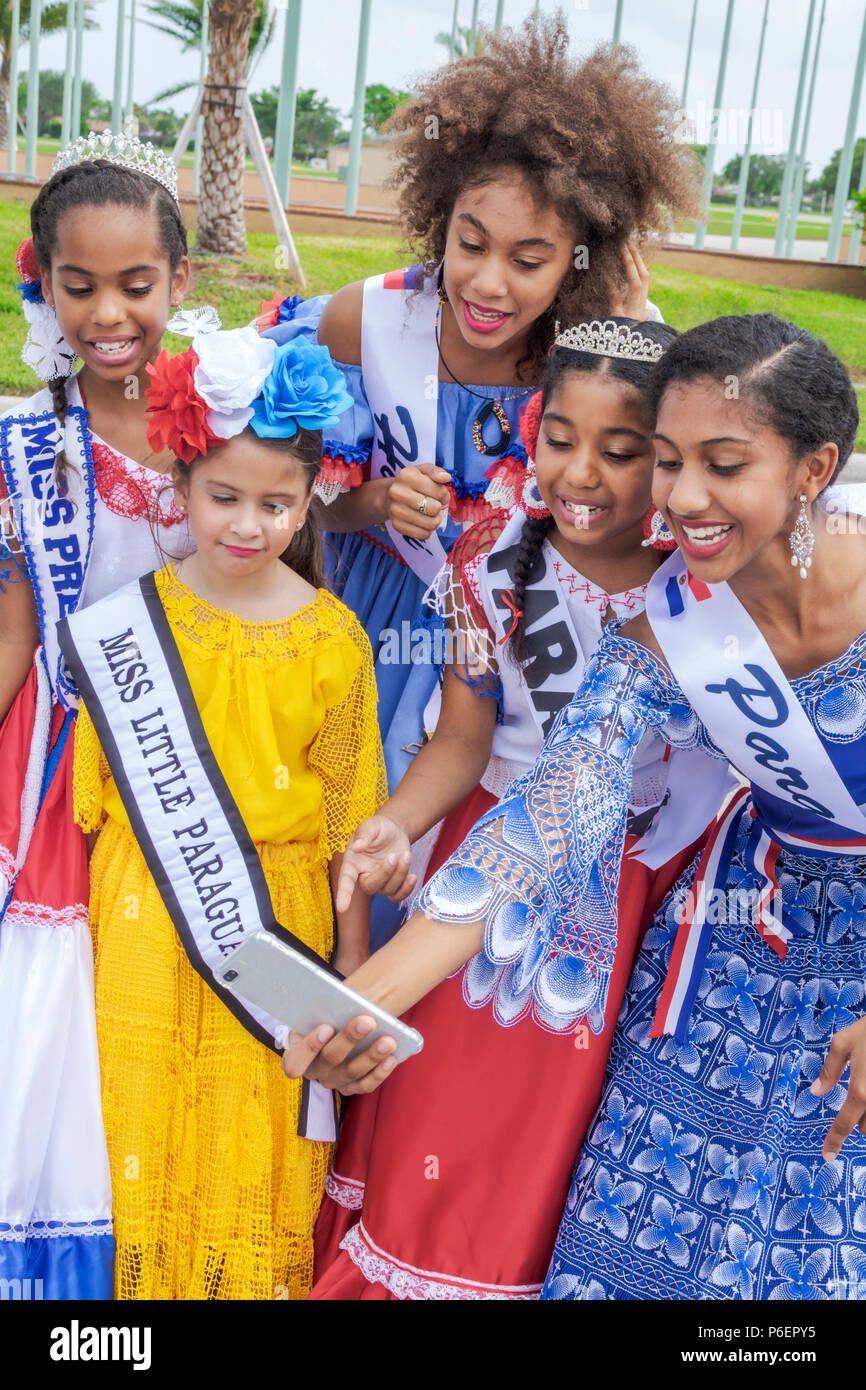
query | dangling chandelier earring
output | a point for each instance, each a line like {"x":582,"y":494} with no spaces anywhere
{"x":802,"y":540}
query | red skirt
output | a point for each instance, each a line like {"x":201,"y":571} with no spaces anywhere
{"x":52,"y":886}
{"x":450,"y":1180}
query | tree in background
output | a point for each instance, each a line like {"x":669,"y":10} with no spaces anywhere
{"x":53,"y":18}
{"x":826,"y":181}
{"x":184,"y":22}
{"x":265,"y":106}
{"x":380,"y":103}
{"x":50,"y":110}
{"x":159,"y":124}
{"x":766,"y":172}
{"x":466,"y":45}
{"x":317,"y":125}
{"x":220,"y":222}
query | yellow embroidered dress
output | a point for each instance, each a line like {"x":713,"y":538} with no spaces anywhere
{"x":214,"y":1194}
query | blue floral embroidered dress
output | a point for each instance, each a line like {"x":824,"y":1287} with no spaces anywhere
{"x":702,"y":1176}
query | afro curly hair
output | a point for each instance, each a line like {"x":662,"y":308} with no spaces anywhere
{"x":595,"y":140}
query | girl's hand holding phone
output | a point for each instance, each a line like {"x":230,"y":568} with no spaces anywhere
{"x":321,"y":1056}
{"x":377,"y":857}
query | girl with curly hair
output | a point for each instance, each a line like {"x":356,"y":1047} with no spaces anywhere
{"x":523,"y":177}
{"x":726,"y":1158}
{"x":527,"y":597}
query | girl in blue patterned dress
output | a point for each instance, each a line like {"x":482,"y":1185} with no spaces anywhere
{"x":727,"y":1158}
{"x":504,"y":191}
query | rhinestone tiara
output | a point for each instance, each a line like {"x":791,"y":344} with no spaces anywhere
{"x":127,"y":151}
{"x":609,"y":339}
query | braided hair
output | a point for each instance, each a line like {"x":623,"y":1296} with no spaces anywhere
{"x":97,"y":183}
{"x":562,"y":361}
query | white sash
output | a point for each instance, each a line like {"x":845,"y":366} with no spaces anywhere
{"x":740,"y":693}
{"x":125,"y":661}
{"x":56,"y":533}
{"x":400,"y":366}
{"x":556,"y":660}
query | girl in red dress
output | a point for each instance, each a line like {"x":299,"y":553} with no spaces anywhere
{"x":86,"y":507}
{"x":449,"y":1181}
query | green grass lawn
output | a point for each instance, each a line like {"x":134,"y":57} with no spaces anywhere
{"x":237,"y":288}
{"x":762,"y":222}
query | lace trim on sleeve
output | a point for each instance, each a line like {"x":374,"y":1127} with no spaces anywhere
{"x":347,"y":752}
{"x":462,"y":636}
{"x":681,"y":727}
{"x":541,"y":869}
{"x":344,"y":466}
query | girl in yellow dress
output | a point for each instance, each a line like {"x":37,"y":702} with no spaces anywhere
{"x":215,"y":1195}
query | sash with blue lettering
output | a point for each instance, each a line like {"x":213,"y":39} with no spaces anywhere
{"x":797,"y":796}
{"x":124,"y":658}
{"x":400,"y":367}
{"x":56,"y":533}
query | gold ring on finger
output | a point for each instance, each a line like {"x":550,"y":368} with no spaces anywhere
{"x":422,"y":506}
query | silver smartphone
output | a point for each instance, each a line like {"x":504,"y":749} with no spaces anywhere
{"x":302,"y":995}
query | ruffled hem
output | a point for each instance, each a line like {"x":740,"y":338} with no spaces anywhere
{"x":26,"y":914}
{"x":336,"y":476}
{"x":346,"y":1192}
{"x":55,"y":1228}
{"x":407,"y":1282}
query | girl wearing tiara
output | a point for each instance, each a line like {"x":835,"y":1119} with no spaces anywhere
{"x":501,"y":1103}
{"x":230,"y":1159}
{"x":82,"y":513}
{"x":522,"y":177}
{"x":727,"y":1157}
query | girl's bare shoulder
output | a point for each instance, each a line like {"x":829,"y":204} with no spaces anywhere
{"x":340,"y":324}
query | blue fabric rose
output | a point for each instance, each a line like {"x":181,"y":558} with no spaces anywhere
{"x":31,"y":291}
{"x":289,"y":308}
{"x":304,"y":389}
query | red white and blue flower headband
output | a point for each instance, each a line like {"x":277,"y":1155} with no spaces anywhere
{"x":228,"y":380}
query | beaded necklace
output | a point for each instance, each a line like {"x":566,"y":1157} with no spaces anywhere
{"x":490,"y":408}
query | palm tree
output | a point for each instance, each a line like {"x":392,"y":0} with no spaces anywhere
{"x":466,"y":44}
{"x":53,"y":18}
{"x":220,"y":222}
{"x":184,"y":23}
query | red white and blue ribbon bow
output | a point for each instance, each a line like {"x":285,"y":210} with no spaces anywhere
{"x":711,"y":888}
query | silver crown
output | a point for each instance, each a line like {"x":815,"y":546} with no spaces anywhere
{"x":127,"y":151}
{"x":609,"y":339}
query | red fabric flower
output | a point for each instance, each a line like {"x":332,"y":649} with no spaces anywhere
{"x":530,"y":423}
{"x":178,"y":415}
{"x":25,"y":260}
{"x":269,"y":313}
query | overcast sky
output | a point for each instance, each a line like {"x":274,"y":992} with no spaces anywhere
{"x":402,"y":46}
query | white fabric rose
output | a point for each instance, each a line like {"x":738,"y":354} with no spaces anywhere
{"x":232,"y":366}
{"x":45,"y":348}
{"x":189,"y":322}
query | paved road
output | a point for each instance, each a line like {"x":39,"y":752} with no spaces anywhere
{"x":755,"y":245}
